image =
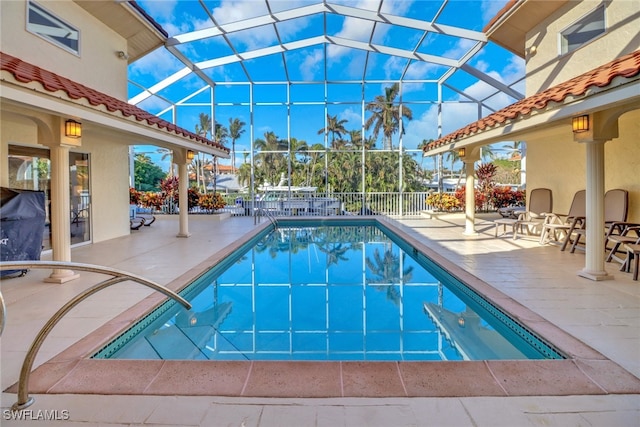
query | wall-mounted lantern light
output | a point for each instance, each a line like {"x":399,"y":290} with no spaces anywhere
{"x":462,"y":152}
{"x":190,"y":155}
{"x":580,"y":124}
{"x":72,"y":129}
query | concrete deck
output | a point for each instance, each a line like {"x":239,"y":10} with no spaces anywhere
{"x":603,"y":316}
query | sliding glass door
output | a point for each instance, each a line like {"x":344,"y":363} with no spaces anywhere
{"x":30,"y":169}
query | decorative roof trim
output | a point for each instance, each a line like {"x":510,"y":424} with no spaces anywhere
{"x":26,"y":73}
{"x":627,"y":66}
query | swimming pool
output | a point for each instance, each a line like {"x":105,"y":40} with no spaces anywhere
{"x":312,"y":291}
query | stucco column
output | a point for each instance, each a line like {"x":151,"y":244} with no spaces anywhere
{"x":471,"y":155}
{"x":469,"y":200}
{"x":594,"y":249}
{"x":183,"y":195}
{"x":60,"y":213}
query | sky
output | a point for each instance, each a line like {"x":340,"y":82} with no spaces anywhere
{"x":306,"y":64}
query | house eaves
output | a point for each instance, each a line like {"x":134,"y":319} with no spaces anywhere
{"x":130,"y":21}
{"x":35,"y":87}
{"x":616,"y":83}
{"x":511,"y":24}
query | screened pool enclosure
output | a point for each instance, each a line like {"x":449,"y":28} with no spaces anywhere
{"x":326,"y":99}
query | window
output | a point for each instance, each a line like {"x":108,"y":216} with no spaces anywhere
{"x":583,"y":31}
{"x":44,"y":24}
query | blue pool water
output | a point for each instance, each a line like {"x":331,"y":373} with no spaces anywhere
{"x":328,"y":292}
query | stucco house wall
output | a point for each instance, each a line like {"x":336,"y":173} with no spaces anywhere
{"x":109,"y":176}
{"x":555,"y":160}
{"x":98,"y":65}
{"x":547,"y":67}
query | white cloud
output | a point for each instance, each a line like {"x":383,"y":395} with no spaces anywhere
{"x":353,"y":118}
{"x":358,"y":29}
{"x":158,"y":64}
{"x":237,"y":10}
{"x":311,"y":64}
{"x":490,"y":8}
{"x":162,"y":9}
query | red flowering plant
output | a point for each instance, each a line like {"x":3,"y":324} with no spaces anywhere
{"x":152,"y":200}
{"x":460,"y":195}
{"x":486,"y":184}
{"x":505,"y":196}
{"x":134,"y":196}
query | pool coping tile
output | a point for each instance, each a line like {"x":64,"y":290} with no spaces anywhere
{"x":585,"y":371}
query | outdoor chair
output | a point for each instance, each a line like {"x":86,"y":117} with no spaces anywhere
{"x":629,"y":236}
{"x":633,"y":254}
{"x":556,"y":225}
{"x":540,"y":202}
{"x":136,"y":222}
{"x":616,"y":207}
{"x":148,"y":218}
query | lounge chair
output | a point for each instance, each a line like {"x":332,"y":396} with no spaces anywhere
{"x":136,"y":222}
{"x":556,"y":225}
{"x":539,"y":206}
{"x":629,"y":236}
{"x":148,"y":218}
{"x":616,"y":206}
{"x":633,"y":253}
{"x":540,"y":201}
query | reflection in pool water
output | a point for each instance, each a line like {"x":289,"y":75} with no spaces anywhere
{"x":326,"y":293}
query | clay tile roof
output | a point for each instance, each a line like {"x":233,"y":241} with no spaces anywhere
{"x":25,"y":72}
{"x":626,"y":66}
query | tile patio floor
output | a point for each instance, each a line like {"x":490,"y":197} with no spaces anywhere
{"x":604,"y":315}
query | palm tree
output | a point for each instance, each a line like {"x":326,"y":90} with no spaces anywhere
{"x":422,"y":146}
{"x":202,"y":128}
{"x":235,"y":131}
{"x":269,"y":161}
{"x":244,"y":174}
{"x":514,"y":148}
{"x":453,"y":157}
{"x":386,"y":116}
{"x":335,"y":127}
{"x":387,"y":271}
{"x":166,"y":153}
{"x":222,"y":133}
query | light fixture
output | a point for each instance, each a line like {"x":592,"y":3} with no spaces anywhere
{"x":72,"y":129}
{"x":190,"y":155}
{"x":462,"y":152}
{"x":580,"y":124}
{"x":461,"y":321}
{"x":123,"y":55}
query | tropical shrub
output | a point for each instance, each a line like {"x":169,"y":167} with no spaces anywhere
{"x":211,"y":202}
{"x":443,"y":201}
{"x":134,"y":196}
{"x":505,"y":196}
{"x":460,"y":196}
{"x":486,"y":184}
{"x":152,"y":200}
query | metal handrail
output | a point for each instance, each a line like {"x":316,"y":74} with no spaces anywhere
{"x":24,"y":401}
{"x":272,"y":219}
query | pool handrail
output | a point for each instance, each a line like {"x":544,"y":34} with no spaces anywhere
{"x":24,"y":401}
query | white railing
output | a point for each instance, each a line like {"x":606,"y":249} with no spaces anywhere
{"x":378,"y":203}
{"x":305,"y":204}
